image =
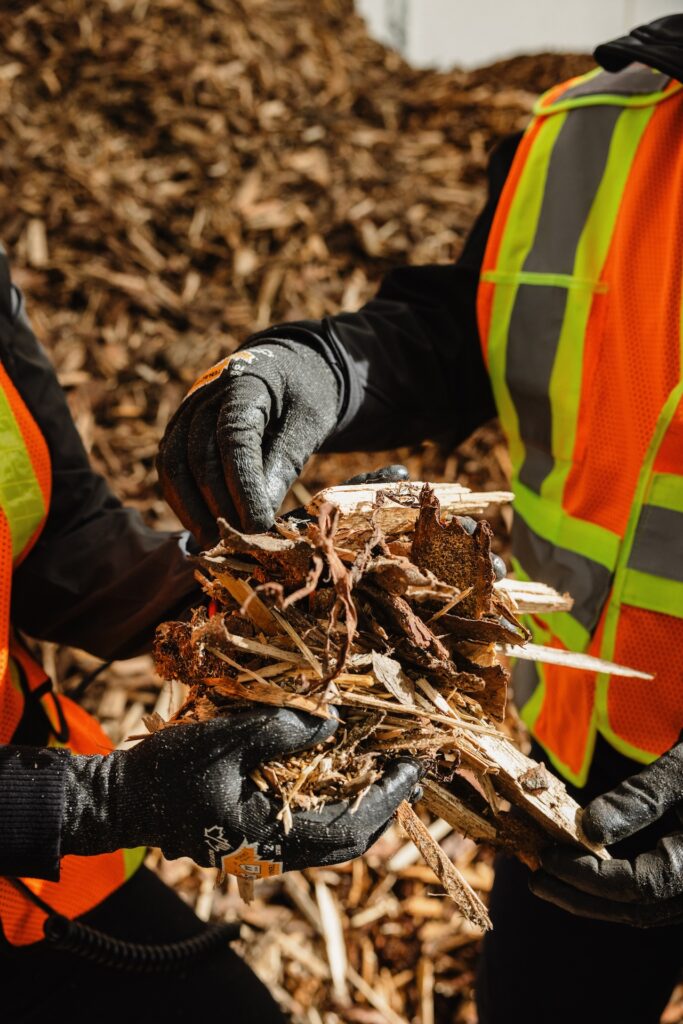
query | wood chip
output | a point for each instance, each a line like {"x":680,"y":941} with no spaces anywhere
{"x":452,"y":881}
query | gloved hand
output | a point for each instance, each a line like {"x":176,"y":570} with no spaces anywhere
{"x":187,"y":790}
{"x":644,"y":891}
{"x":243,"y":433}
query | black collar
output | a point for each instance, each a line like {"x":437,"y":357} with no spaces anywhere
{"x":659,"y":45}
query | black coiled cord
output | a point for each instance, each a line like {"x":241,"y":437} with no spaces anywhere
{"x":141,"y":957}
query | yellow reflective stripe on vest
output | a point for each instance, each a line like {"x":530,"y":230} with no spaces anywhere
{"x":132,"y":860}
{"x":573,"y":234}
{"x":565,"y":209}
{"x":20,"y":495}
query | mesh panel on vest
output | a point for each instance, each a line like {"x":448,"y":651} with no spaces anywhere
{"x":632,"y":350}
{"x":649,"y":714}
{"x":564,"y":720}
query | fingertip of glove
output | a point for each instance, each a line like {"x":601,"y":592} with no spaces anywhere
{"x":419,"y":766}
{"x":393,"y":474}
{"x":499,"y":567}
{"x":596,"y":825}
{"x":310,"y":728}
{"x":404,"y":775}
{"x":257,"y":523}
{"x":326,"y":727}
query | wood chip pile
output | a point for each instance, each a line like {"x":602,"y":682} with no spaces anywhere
{"x":177,"y":174}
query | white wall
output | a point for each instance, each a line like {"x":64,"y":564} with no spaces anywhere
{"x":469,"y":34}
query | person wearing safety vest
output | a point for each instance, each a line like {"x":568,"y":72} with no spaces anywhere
{"x":81,"y":922}
{"x":563,"y":316}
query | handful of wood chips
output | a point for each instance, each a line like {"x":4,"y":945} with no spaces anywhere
{"x":378,"y":601}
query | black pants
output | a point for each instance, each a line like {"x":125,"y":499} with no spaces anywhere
{"x":541,"y":965}
{"x":38,"y":984}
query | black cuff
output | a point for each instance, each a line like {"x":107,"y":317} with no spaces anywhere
{"x":31,"y":810}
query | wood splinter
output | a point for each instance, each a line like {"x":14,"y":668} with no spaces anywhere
{"x":459,"y":890}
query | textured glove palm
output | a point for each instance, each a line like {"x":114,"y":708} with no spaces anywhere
{"x":187,"y":789}
{"x":644,"y":891}
{"x":238,"y":442}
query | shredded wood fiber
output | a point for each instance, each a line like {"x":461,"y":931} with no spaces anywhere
{"x":386,"y":607}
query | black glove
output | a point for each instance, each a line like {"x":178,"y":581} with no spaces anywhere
{"x":243,"y":434}
{"x":646,"y":890}
{"x":187,"y":790}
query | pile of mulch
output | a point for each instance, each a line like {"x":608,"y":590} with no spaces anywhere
{"x":175,"y":175}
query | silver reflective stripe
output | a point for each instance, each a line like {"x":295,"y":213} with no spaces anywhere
{"x":658,"y":543}
{"x":577,"y":165}
{"x":525,"y":679}
{"x":587,"y":581}
{"x":635,"y":80}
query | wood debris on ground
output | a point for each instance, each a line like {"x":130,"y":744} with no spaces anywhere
{"x":384,"y":606}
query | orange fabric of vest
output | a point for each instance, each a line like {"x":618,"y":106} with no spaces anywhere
{"x":631,"y":366}
{"x":84,"y":881}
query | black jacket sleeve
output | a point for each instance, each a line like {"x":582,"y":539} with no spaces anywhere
{"x":98,"y":578}
{"x":32,"y":783}
{"x":409,"y":363}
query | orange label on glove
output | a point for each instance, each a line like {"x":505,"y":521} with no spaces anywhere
{"x":246,"y":863}
{"x":216,"y":370}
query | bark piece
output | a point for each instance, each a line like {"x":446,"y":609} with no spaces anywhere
{"x":455,"y":556}
{"x":485,"y":630}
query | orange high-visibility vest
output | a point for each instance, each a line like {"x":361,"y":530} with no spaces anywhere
{"x":579,"y":310}
{"x":25,"y":481}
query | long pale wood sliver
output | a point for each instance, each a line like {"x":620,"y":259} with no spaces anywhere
{"x":551,"y":806}
{"x":570,"y":659}
{"x":400,"y":503}
{"x":529,"y":596}
{"x":460,"y":891}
